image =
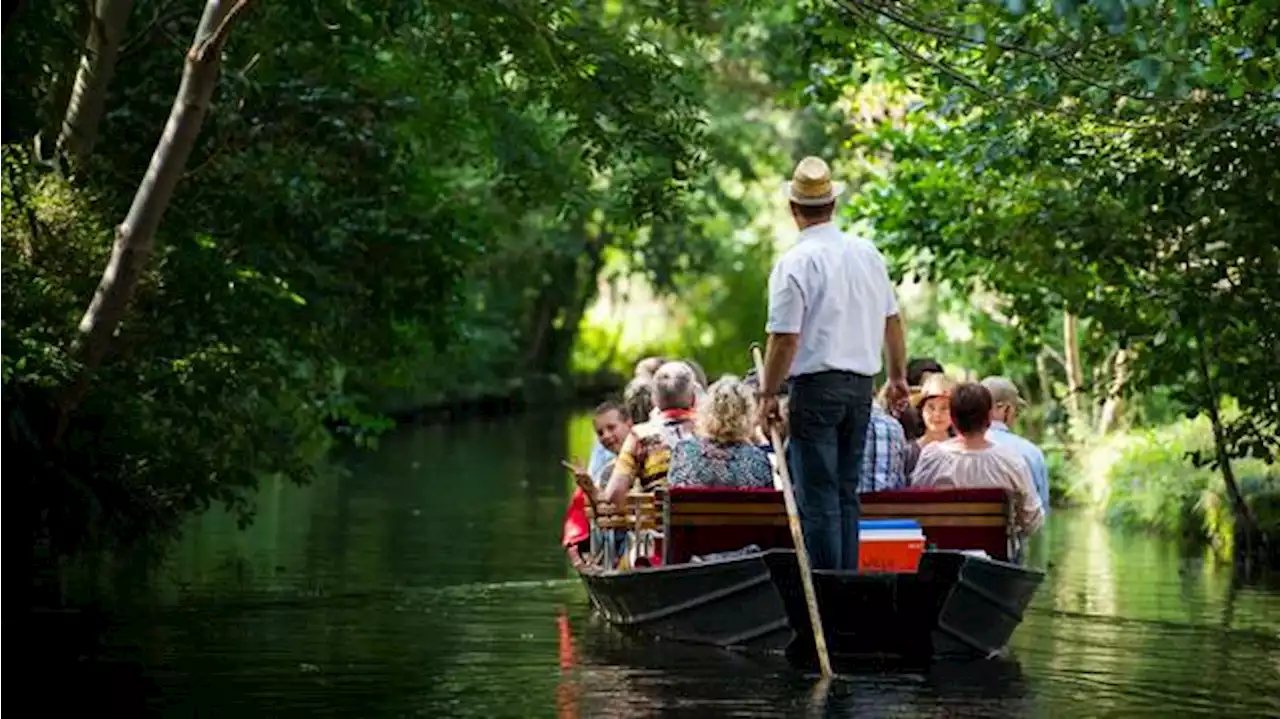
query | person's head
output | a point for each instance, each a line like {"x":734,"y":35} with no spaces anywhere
{"x":811,"y":192}
{"x":971,"y":409}
{"x":935,"y":404}
{"x":674,"y":386}
{"x":727,"y":412}
{"x":637,"y":399}
{"x":918,"y":367}
{"x":699,"y":375}
{"x":1006,"y":401}
{"x":646,"y":367}
{"x":612,"y":424}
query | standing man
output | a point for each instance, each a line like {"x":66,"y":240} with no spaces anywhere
{"x":1006,"y":402}
{"x":832,"y":311}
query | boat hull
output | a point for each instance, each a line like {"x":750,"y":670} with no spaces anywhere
{"x":955,"y":605}
{"x":730,"y":603}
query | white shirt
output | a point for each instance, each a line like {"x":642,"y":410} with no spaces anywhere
{"x":832,"y":289}
{"x":949,"y":464}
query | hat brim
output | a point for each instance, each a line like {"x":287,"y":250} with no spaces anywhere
{"x":837,"y":189}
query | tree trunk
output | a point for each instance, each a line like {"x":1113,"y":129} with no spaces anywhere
{"x":1044,"y":376}
{"x":584,"y":292}
{"x":135,"y":236}
{"x":1212,"y":399}
{"x":11,"y":10}
{"x":1075,"y":372}
{"x":1114,"y":403}
{"x":79,"y":129}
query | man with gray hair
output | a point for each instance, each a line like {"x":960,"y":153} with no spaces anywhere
{"x":646,"y":453}
{"x":1006,"y":404}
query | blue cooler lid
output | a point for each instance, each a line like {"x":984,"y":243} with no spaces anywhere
{"x":875,"y":524}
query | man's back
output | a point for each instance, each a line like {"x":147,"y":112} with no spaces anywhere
{"x":834,"y":290}
{"x":1000,"y":434}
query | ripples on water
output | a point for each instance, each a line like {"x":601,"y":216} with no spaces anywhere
{"x":428,"y":582}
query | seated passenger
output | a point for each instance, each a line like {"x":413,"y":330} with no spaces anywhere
{"x":971,"y":460}
{"x":646,"y":367}
{"x":935,"y":409}
{"x":884,"y":455}
{"x":699,"y":386}
{"x":918,"y":369}
{"x":645,"y":456}
{"x":611,"y":424}
{"x":722,"y":454}
{"x":637,"y":400}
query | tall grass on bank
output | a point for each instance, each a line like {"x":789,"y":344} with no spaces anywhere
{"x":1144,"y":478}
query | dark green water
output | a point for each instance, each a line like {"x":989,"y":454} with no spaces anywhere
{"x":428,"y":581}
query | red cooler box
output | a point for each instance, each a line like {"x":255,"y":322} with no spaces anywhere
{"x":889,"y":545}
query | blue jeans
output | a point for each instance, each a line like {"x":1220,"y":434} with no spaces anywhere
{"x":829,"y":414}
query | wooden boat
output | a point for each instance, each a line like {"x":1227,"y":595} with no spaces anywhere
{"x":954,"y":604}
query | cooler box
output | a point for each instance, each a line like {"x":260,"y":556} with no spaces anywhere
{"x":889,"y":545}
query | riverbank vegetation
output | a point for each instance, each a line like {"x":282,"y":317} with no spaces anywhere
{"x":388,"y":205}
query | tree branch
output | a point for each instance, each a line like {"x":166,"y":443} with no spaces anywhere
{"x":218,"y":37}
{"x":1056,"y":60}
{"x":970,"y":83}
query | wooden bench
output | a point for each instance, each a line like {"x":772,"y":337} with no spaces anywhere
{"x":641,"y":515}
{"x":950,"y":518}
{"x":701,"y":521}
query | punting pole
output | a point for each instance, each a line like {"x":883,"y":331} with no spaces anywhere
{"x":797,"y":534}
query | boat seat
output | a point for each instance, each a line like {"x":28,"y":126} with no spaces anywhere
{"x":702,"y":521}
{"x":643,"y":511}
{"x":706,"y":520}
{"x":950,"y":518}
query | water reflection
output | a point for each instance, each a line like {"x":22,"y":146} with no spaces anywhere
{"x":427,"y":581}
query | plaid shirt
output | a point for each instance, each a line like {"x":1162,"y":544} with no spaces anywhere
{"x":884,"y":458}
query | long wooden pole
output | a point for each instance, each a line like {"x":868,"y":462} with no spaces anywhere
{"x":797,"y":535}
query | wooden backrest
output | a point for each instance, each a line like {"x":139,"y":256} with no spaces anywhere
{"x":704,"y":520}
{"x":701,"y":521}
{"x":644,"y":509}
{"x":950,"y":518}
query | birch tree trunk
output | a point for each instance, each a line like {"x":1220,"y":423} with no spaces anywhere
{"x":1075,"y":372}
{"x":135,"y":237}
{"x":79,"y":129}
{"x":1114,"y":403}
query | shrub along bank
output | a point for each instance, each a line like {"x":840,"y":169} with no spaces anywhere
{"x":1145,"y":478}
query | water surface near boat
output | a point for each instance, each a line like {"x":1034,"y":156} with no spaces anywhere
{"x":428,"y":582}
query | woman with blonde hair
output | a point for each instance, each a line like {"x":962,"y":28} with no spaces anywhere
{"x":722,"y":454}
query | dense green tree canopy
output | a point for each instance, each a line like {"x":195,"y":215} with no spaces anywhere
{"x":1114,"y":159}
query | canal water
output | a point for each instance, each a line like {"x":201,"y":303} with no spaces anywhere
{"x":425,"y":579}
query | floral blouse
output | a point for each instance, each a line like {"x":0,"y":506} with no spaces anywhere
{"x":701,"y":462}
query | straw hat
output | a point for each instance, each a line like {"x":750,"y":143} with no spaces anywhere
{"x":935,"y":384}
{"x":811,"y":183}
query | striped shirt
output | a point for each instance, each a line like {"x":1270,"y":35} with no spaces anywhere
{"x":646,"y":453}
{"x":884,"y":457}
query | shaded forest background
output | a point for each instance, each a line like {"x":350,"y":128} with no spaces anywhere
{"x":388,"y":206}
